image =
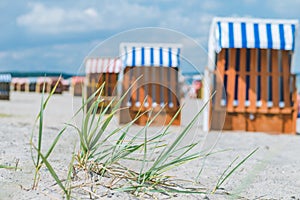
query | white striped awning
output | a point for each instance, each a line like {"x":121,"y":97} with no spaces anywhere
{"x":5,"y":78}
{"x":147,"y":54}
{"x":253,"y":33}
{"x":102,"y":65}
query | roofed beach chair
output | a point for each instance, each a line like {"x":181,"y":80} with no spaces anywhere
{"x":152,"y":70}
{"x":252,"y":60}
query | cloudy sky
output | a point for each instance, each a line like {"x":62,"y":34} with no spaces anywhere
{"x":57,"y":35}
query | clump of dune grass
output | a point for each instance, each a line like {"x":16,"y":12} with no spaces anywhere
{"x":108,"y":161}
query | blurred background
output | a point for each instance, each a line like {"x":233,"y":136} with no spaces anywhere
{"x":56,"y":36}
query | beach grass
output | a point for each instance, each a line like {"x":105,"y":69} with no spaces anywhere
{"x":98,"y":156}
{"x":8,"y":167}
{"x":227,"y":172}
{"x":39,"y":159}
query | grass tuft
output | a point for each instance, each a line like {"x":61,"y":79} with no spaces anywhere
{"x":112,"y":162}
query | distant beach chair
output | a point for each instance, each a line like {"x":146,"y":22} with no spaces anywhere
{"x":197,"y":87}
{"x":5,"y":81}
{"x":32,"y":84}
{"x":157,"y":90}
{"x":253,"y":59}
{"x":40,"y":83}
{"x":49,"y":84}
{"x":77,"y":85}
{"x":66,"y":84}
{"x":56,"y":80}
{"x":14,"y":83}
{"x":23,"y":85}
{"x":102,"y":70}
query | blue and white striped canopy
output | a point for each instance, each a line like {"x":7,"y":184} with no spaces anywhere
{"x":5,"y":78}
{"x":254,"y":33}
{"x":160,"y":55}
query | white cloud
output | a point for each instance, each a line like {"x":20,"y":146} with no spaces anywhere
{"x":195,"y":26}
{"x":42,"y":19}
{"x":58,"y":20}
{"x":15,"y":55}
{"x":55,"y":20}
{"x":113,"y":16}
{"x":63,"y":57}
{"x":3,"y":54}
{"x":284,"y":8}
{"x":250,"y":2}
{"x":210,"y":5}
{"x":91,"y":12}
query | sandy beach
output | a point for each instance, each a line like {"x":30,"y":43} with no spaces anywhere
{"x":273,"y":172}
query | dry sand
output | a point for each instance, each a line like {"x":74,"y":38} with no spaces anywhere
{"x":272,"y":173}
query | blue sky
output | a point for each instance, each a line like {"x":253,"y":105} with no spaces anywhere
{"x":57,"y":35}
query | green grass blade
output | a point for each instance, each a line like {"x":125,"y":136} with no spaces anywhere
{"x":118,"y":129}
{"x":84,"y":103}
{"x":95,"y":108}
{"x":165,"y":154}
{"x":55,"y":142}
{"x":95,"y":138}
{"x":117,"y":146}
{"x":165,"y":132}
{"x":84,"y":114}
{"x":83,"y":144}
{"x":144,"y":159}
{"x":234,"y":169}
{"x":52,"y":146}
{"x":176,"y":162}
{"x":52,"y":91}
{"x":92,"y":139}
{"x":87,"y":133}
{"x":40,"y":134}
{"x":52,"y":172}
{"x":86,"y":119}
{"x":142,"y":129}
{"x":69,"y":175}
{"x":7,"y":167}
{"x":186,"y":149}
{"x":118,"y":104}
{"x":40,"y":116}
{"x":102,"y":154}
{"x":101,"y":131}
{"x":129,"y":150}
{"x":49,"y":96}
{"x":224,"y":172}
